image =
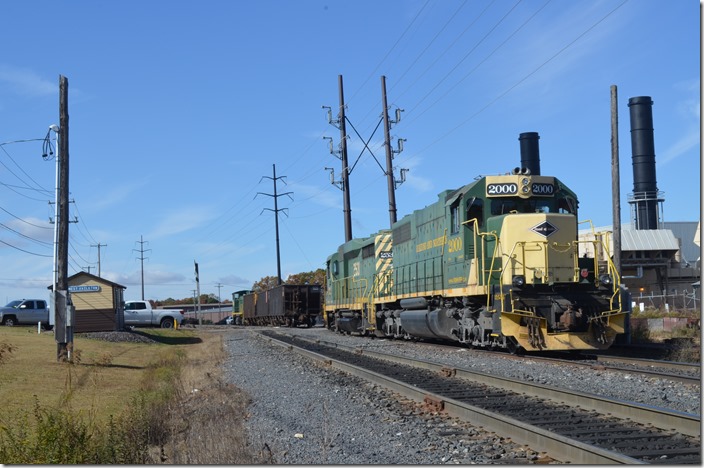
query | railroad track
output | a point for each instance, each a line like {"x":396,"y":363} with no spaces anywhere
{"x":687,"y":373}
{"x":677,"y":371}
{"x":570,"y":426}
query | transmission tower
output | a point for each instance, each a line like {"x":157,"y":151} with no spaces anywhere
{"x":276,"y":210}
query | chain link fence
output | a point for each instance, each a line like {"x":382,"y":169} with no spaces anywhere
{"x":684,"y":301}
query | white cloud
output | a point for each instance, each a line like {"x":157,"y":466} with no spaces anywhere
{"x":685,"y":143}
{"x":27,"y":82}
{"x":185,"y":219}
{"x":116,"y":195}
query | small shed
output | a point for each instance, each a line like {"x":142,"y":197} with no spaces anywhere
{"x":99,"y":303}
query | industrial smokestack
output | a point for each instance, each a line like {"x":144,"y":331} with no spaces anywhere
{"x":530,"y":152}
{"x":645,"y":190}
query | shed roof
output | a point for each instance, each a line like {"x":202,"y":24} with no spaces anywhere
{"x":96,"y":278}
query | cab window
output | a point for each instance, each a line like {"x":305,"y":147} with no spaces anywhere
{"x":475,"y":210}
{"x":455,"y":218}
{"x":567,"y":205}
{"x":501,"y":206}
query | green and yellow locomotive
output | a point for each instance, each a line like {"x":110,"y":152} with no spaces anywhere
{"x":494,"y":263}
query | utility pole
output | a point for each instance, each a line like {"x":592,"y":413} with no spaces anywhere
{"x":198,"y":314}
{"x":276,"y":210}
{"x":194,"y":303}
{"x":347,"y":210}
{"x":391,"y":183}
{"x":615,"y":180}
{"x":219,"y":285}
{"x":344,"y":183}
{"x":141,"y":258}
{"x":63,"y":308}
{"x":98,"y":246}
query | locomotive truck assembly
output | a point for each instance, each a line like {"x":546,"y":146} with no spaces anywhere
{"x":494,"y":263}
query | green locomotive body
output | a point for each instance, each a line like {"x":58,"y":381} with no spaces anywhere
{"x":494,"y":263}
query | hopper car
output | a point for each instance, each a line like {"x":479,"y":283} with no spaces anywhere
{"x":290,"y":305}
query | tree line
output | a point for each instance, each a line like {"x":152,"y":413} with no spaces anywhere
{"x":265,"y":283}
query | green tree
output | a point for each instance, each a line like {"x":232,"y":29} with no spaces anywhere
{"x":309,"y":277}
{"x":265,"y":283}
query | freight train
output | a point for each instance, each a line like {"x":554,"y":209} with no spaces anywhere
{"x":290,"y":305}
{"x":492,"y":264}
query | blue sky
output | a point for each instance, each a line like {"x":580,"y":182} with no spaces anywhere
{"x":179,"y":109}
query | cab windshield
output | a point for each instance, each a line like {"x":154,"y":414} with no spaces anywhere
{"x":500,"y":206}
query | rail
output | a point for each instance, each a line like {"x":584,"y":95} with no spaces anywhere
{"x":423,"y":387}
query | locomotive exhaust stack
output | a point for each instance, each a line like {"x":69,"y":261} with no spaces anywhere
{"x":530,"y":152}
{"x":645,"y":191}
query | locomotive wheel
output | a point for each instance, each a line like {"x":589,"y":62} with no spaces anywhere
{"x":514,"y":347}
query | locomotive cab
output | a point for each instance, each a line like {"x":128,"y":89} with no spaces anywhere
{"x":547,"y":296}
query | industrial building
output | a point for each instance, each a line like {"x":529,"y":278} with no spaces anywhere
{"x":660,"y":261}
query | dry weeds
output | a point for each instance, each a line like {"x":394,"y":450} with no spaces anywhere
{"x":206,"y":424}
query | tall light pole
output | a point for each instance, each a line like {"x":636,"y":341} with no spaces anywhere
{"x":55,"y":128}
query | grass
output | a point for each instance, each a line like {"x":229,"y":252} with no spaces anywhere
{"x":99,"y":381}
{"x":120,"y":403}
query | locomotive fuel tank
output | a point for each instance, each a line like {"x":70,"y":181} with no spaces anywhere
{"x":435,"y":324}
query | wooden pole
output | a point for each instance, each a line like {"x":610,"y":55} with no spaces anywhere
{"x":347,"y":210}
{"x":615,"y":180}
{"x":64,"y":310}
{"x":389,"y":156}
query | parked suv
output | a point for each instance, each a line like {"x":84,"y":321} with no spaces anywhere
{"x":25,"y":311}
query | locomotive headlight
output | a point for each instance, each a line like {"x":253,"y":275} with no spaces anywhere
{"x":605,"y":280}
{"x":525,"y":189}
{"x":525,"y":181}
{"x":518,"y":281}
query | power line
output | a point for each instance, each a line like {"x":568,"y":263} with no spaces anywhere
{"x":25,"y":251}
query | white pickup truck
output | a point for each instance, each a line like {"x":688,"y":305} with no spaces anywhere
{"x":141,"y":314}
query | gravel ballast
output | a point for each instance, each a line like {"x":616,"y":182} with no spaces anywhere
{"x":304,"y":414}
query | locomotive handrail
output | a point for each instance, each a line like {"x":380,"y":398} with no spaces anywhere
{"x":475,"y":232}
{"x":601,"y":240}
{"x":591,"y":225}
{"x":491,"y":270}
{"x":352,"y":292}
{"x":611,"y":269}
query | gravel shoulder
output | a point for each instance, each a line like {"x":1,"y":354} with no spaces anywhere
{"x":303,"y":414}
